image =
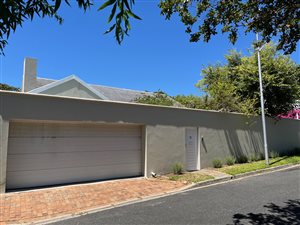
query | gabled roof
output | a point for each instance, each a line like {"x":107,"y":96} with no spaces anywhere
{"x":53,"y":84}
{"x":120,"y":94}
{"x":111,"y":93}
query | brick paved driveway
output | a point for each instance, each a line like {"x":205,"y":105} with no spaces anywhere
{"x":43,"y":204}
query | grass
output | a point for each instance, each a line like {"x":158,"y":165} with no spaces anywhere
{"x":253,"y":166}
{"x":191,"y":177}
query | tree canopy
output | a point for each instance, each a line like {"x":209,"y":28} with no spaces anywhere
{"x":7,"y":87}
{"x":205,"y":18}
{"x":157,"y":98}
{"x":202,"y":18}
{"x":234,"y":86}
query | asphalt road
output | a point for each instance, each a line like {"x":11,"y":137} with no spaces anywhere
{"x":272,"y":198}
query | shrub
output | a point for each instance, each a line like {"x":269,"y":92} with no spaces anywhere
{"x":261,"y":156}
{"x":230,"y":160}
{"x":253,"y":158}
{"x":274,"y":154}
{"x":256,"y":157}
{"x":177,"y":168}
{"x":242,"y":159}
{"x":217,"y":163}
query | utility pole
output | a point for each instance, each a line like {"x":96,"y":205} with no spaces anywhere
{"x":262,"y":103}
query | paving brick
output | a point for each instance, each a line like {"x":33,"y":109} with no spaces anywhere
{"x":31,"y":206}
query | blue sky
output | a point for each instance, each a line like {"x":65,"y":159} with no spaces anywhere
{"x":156,"y":55}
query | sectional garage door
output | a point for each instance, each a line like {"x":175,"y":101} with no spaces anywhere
{"x":41,"y":154}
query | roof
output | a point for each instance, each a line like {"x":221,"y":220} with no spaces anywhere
{"x":120,"y":94}
{"x":49,"y":86}
{"x":108,"y":93}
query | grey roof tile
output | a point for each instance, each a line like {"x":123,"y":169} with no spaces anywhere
{"x":112,"y":93}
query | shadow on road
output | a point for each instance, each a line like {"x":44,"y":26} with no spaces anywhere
{"x":279,"y":215}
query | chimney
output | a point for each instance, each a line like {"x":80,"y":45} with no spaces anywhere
{"x":29,"y":74}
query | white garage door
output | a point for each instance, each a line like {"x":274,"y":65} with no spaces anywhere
{"x":42,"y":154}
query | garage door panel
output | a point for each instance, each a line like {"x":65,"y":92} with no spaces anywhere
{"x":56,"y":153}
{"x":25,"y":179}
{"x":45,"y":145}
{"x":68,"y":160}
{"x":26,"y":129}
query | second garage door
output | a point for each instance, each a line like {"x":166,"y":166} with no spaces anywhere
{"x":41,"y":154}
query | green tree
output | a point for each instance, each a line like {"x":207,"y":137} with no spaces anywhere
{"x":158,"y":98}
{"x":196,"y":102}
{"x":202,"y":18}
{"x":235,"y":85}
{"x":7,"y":87}
{"x":205,"y":18}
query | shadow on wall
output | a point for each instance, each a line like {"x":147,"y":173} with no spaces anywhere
{"x":250,"y":143}
{"x":246,"y":140}
{"x":287,"y":214}
{"x":239,"y":136}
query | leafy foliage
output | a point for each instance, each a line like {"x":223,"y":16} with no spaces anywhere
{"x":177,"y":168}
{"x":230,"y":160}
{"x":158,"y":98}
{"x":256,"y":157}
{"x":196,"y":102}
{"x":7,"y":87}
{"x":217,"y":163}
{"x":13,"y":13}
{"x":204,"y":19}
{"x":274,"y":154}
{"x":235,"y":85}
{"x":242,"y":159}
{"x":121,"y":25}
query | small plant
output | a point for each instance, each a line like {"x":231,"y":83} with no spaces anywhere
{"x":253,"y":158}
{"x":274,"y":154}
{"x":217,"y":163}
{"x":230,"y":160}
{"x":261,"y":156}
{"x":256,"y":157}
{"x":177,"y":168}
{"x":242,"y":159}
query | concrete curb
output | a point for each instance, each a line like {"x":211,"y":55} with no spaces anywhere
{"x":209,"y":182}
{"x":165,"y":194}
{"x":275,"y":168}
{"x":242,"y":175}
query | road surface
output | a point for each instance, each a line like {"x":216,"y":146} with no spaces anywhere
{"x":272,"y":198}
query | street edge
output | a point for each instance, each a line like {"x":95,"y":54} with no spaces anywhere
{"x":193,"y":186}
{"x":247,"y":174}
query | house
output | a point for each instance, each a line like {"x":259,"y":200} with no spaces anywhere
{"x":73,"y":86}
{"x":49,"y":137}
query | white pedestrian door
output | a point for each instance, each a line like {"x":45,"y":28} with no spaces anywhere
{"x":191,"y":143}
